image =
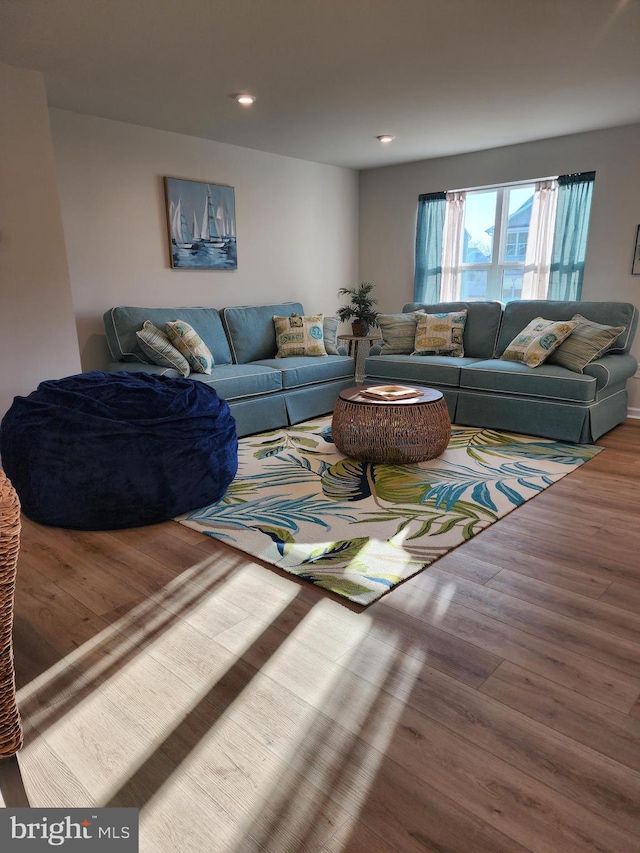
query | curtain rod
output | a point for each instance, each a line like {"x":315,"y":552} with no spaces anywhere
{"x":506,"y":184}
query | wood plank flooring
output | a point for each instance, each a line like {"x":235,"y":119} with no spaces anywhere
{"x":491,"y":704}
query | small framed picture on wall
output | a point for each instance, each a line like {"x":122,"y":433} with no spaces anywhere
{"x":635,"y":267}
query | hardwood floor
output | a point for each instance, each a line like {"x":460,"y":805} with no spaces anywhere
{"x":488,"y":705}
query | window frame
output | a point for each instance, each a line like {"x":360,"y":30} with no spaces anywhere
{"x":498,"y":265}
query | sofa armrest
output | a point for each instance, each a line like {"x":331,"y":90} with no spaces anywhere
{"x":342,"y":350}
{"x":611,"y":369}
{"x":139,"y":367}
{"x":374,"y":349}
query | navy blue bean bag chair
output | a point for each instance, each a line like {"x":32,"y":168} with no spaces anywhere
{"x":100,"y":451}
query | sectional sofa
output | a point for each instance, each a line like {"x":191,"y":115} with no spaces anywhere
{"x":263,"y":392}
{"x":481,"y":389}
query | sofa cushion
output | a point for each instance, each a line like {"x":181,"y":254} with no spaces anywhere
{"x":481,"y":329}
{"x":251,"y":332}
{"x":140,"y":367}
{"x":536,"y":342}
{"x":585,"y":344}
{"x":418,"y":369}
{"x":440,"y":334}
{"x":300,"y":336}
{"x":155,"y":343}
{"x":232,"y":381}
{"x":122,"y":323}
{"x":307,"y":370}
{"x":549,"y":380}
{"x":519,"y":313}
{"x":187,"y":341}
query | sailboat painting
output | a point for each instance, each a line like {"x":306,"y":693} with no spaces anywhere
{"x":201,"y":219}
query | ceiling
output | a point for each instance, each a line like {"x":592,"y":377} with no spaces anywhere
{"x":442,"y":76}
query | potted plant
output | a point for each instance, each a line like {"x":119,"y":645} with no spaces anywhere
{"x":360,"y":308}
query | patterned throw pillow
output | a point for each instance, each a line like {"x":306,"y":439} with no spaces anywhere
{"x":538,"y":340}
{"x":398,"y":332}
{"x":296,"y":335}
{"x":155,"y":344}
{"x":587,"y":342}
{"x":185,"y":339}
{"x":440,"y":334}
{"x":330,"y":332}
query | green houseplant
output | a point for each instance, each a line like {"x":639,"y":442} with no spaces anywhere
{"x":360,"y":309}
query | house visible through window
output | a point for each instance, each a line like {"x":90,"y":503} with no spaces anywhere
{"x":515,"y":241}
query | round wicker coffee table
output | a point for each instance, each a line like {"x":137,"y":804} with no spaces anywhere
{"x":393,"y":431}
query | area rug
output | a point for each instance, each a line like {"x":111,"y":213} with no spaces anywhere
{"x":359,"y":529}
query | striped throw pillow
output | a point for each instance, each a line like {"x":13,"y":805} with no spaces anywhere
{"x":585,"y":344}
{"x":330,"y":332}
{"x":156,"y":345}
{"x":398,"y":332}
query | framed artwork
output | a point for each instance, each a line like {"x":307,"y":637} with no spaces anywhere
{"x":635,"y":267}
{"x":201,"y":221}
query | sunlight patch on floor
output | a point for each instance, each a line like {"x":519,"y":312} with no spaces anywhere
{"x":432,"y":595}
{"x":278,"y":758}
{"x":240,"y":701}
{"x":443,"y":601}
{"x":107,"y":706}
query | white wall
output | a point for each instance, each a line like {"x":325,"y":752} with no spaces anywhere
{"x":389,"y":198}
{"x":37,"y":330}
{"x":297,"y":223}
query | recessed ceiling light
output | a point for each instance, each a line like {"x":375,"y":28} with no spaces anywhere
{"x":385,"y":138}
{"x":245,"y":99}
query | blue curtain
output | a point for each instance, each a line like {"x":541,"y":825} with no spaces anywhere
{"x":429,"y":230}
{"x":570,"y":238}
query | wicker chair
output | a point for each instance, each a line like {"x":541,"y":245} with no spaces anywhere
{"x":10,"y":724}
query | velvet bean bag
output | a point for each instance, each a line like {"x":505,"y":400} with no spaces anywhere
{"x":99,"y":451}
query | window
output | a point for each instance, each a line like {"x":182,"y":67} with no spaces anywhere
{"x":496,"y":232}
{"x":515,"y":241}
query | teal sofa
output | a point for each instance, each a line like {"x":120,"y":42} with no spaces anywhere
{"x":551,"y":401}
{"x":263,"y":392}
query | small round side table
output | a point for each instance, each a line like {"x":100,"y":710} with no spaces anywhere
{"x":357,"y":350}
{"x":396,"y":432}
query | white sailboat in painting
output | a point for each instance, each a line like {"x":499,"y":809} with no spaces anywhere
{"x":231,"y":226}
{"x":225,"y":221}
{"x":179,"y":230}
{"x":210,"y":232}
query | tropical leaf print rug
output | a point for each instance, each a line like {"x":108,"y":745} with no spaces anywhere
{"x":360,"y":528}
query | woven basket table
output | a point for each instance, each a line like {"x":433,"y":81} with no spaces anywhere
{"x":10,"y":725}
{"x":395,"y":432}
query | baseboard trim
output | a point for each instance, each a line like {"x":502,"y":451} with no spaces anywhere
{"x":633,"y":413}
